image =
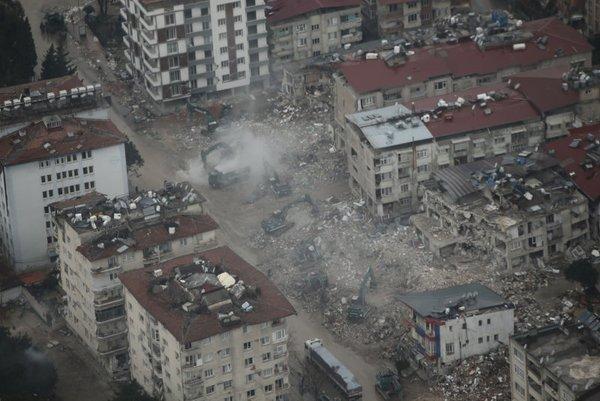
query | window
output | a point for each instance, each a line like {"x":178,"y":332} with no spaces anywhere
{"x":449,"y":348}
{"x":264,"y":340}
{"x":86,"y":155}
{"x":413,"y":17}
{"x":226,"y":368}
{"x":208,"y":373}
{"x":393,"y":8}
{"x":481,"y":322}
{"x":171,"y":33}
{"x":332,"y":35}
{"x":439,"y":85}
{"x":239,"y":46}
{"x":174,"y":76}
{"x":266,"y":357}
{"x":205,"y":25}
{"x":210,"y":389}
{"x":174,"y":62}
{"x":267,"y":372}
{"x":301,"y":42}
{"x":169,"y":19}
{"x":240,"y":60}
{"x":404,"y":188}
{"x":187,"y":13}
{"x":489,"y":321}
{"x":223,"y":50}
{"x":250,"y":378}
{"x":250,"y":393}
{"x":422,"y":153}
{"x":480,"y":340}
{"x":248,"y":361}
{"x":221,"y":7}
{"x":227,"y":384}
{"x":332,"y":21}
{"x":367,"y":101}
{"x":316,"y":41}
{"x":279,"y":335}
{"x":519,"y":371}
{"x":251,"y":16}
{"x":225,"y":78}
{"x":314,"y":27}
{"x":44,"y":194}
{"x":172,"y":47}
{"x":253,"y":44}
{"x":247,"y":345}
{"x":423,"y":169}
{"x":239,"y":32}
{"x":495,"y":337}
{"x":519,"y":389}
{"x":225,"y":63}
{"x":221,"y":21}
{"x":268,"y":388}
{"x":300,"y":27}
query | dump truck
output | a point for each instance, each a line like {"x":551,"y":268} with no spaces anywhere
{"x":388,"y":386}
{"x":336,"y":372}
{"x":218,"y":179}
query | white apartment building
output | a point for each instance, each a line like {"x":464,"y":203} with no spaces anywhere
{"x":310,"y":28}
{"x":207,"y":327}
{"x":99,"y":238}
{"x":454,"y":323}
{"x":182,"y":48}
{"x":47,"y":161}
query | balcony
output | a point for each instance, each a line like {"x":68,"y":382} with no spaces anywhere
{"x":108,"y":301}
{"x":351,"y":38}
{"x":150,"y":36}
{"x":152,"y":66}
{"x":154,"y":81}
{"x":124,"y":27}
{"x":149,"y":49}
{"x":126,"y":41}
{"x":123,"y":12}
{"x":112,"y":347}
{"x":108,"y":334}
{"x":147,"y":25}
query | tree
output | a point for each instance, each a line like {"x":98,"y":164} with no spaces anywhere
{"x":16,"y":45}
{"x":56,"y":63}
{"x":131,"y":392}
{"x":26,"y":374}
{"x":583,"y":272}
{"x":132,"y":155}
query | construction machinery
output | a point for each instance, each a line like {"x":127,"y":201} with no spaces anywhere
{"x":277,"y":224}
{"x":358,"y":308}
{"x":335,"y":371}
{"x":278,"y":186}
{"x":218,"y":179}
{"x":226,"y":151}
{"x":388,"y":386}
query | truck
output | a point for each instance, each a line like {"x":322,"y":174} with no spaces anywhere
{"x":388,"y":386}
{"x":343,"y":379}
{"x":218,"y":179}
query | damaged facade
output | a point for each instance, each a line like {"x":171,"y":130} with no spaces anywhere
{"x":181,"y":48}
{"x":558,"y":362}
{"x":301,"y":29}
{"x":99,"y":238}
{"x":207,"y":326}
{"x":48,"y":160}
{"x":519,"y":210}
{"x":454,"y":323}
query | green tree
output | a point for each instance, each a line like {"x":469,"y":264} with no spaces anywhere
{"x":132,"y":155}
{"x":26,"y":374}
{"x":583,"y":272}
{"x":56,"y":63}
{"x":17,"y":50}
{"x":131,"y":392}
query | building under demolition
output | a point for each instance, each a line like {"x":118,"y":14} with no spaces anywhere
{"x":207,"y":326}
{"x":520,"y":210}
{"x":454,"y":323}
{"x":558,"y":362}
{"x":99,"y":238}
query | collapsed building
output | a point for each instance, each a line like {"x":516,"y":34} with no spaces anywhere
{"x":207,"y":326}
{"x":450,"y":324}
{"x":579,"y":153}
{"x":519,"y":210}
{"x":558,"y":362}
{"x":98,"y":238}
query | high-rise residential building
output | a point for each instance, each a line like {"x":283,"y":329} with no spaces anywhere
{"x":49,"y":160}
{"x":208,"y":327}
{"x":180,"y":48}
{"x":100,"y":237}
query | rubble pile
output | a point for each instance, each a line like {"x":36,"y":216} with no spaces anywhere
{"x":479,"y":378}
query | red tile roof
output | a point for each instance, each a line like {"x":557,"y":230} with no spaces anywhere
{"x":588,"y":181}
{"x":33,"y":277}
{"x":153,"y":235}
{"x":286,"y":9}
{"x":465,"y":58}
{"x":512,"y":109}
{"x":271,"y":304}
{"x":544,"y":89}
{"x":49,"y":85}
{"x":87,"y":135}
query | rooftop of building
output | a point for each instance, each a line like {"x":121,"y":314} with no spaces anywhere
{"x":283,"y":10}
{"x":474,"y":109}
{"x":138,"y":221}
{"x":507,"y":189}
{"x":199,"y":296}
{"x":543,"y":40}
{"x":390,"y":126}
{"x":40,"y":88}
{"x":55,"y":136}
{"x":571,"y":352}
{"x":450,"y":302}
{"x":579,"y":153}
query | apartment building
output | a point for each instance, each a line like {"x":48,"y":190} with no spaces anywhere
{"x":446,"y":68}
{"x":208,"y":327}
{"x":454,"y":323}
{"x":392,"y":150}
{"x":390,"y":18}
{"x":301,"y":29}
{"x":176,"y":49}
{"x":520,"y":210}
{"x":45,"y":161}
{"x":100,"y":237}
{"x":592,"y":17}
{"x":557,"y":362}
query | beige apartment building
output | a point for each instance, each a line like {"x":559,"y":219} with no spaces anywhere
{"x":99,"y":238}
{"x":437,"y":70}
{"x":208,"y":327}
{"x":393,"y":150}
{"x":390,"y":18}
{"x":180,"y":48}
{"x":304,"y":29}
{"x":557,"y":362}
{"x":520,"y":209}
